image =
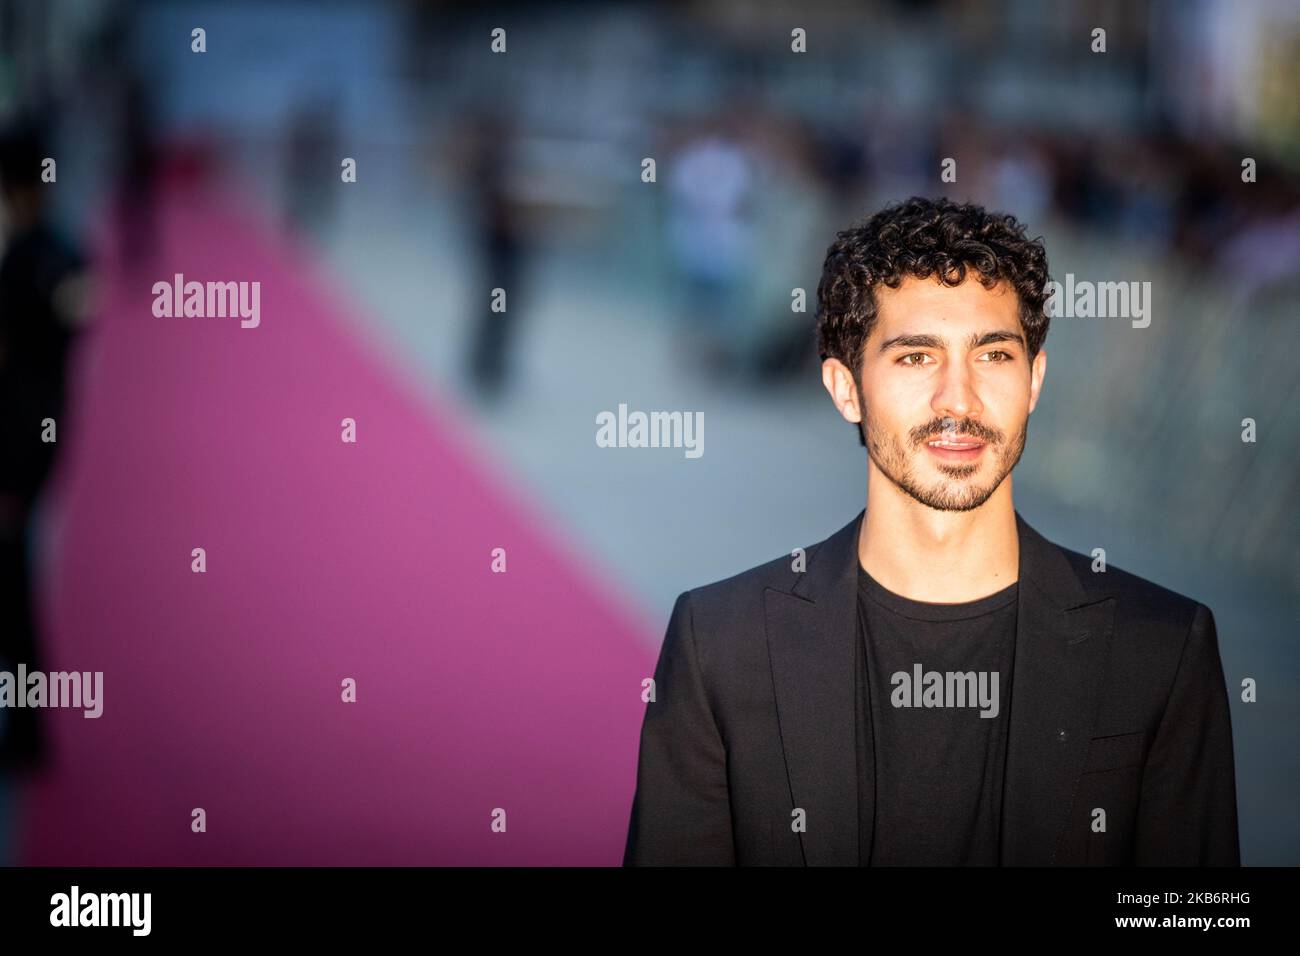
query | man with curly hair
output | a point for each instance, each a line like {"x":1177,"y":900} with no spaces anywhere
{"x":852,"y":703}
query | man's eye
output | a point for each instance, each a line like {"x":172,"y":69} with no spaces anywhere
{"x":917,"y":355}
{"x":1006,"y":356}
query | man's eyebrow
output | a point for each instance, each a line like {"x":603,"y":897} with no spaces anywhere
{"x":926,"y":341}
{"x":913,"y":342}
{"x":982,"y":339}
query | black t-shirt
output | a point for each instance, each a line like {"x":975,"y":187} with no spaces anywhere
{"x":932,"y":672}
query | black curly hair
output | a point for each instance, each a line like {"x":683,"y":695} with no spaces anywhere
{"x":924,"y":238}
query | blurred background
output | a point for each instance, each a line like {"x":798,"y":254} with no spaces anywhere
{"x":522,"y":170}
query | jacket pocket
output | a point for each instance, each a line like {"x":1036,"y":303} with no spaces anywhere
{"x":1114,"y":752}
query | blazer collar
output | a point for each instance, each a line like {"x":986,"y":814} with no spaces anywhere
{"x":1062,"y":637}
{"x":833,"y":568}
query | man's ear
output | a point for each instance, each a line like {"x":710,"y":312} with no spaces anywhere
{"x":843,"y":390}
{"x":1037,"y":372}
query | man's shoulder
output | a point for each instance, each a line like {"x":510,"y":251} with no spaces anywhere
{"x":734,"y":599}
{"x":778,"y":574}
{"x":1140,"y":598}
{"x":1137,"y":597}
{"x":727,"y":618}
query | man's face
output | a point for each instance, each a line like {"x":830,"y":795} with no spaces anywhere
{"x":946,"y":388}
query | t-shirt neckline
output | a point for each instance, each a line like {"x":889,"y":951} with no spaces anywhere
{"x":928,"y":611}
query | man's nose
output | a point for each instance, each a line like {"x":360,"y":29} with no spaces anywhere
{"x":956,"y":395}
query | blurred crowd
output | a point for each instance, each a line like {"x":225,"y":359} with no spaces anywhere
{"x":753,"y":200}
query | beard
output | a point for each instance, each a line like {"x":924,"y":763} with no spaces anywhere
{"x":955,"y":492}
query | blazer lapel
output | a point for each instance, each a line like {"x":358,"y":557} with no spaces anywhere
{"x":1062,"y":640}
{"x":811,"y":636}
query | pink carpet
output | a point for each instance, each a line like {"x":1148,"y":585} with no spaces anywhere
{"x":325,"y":560}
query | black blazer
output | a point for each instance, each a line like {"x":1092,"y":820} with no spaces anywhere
{"x":1118,"y":702}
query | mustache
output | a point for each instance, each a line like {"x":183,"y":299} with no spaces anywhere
{"x":952,"y":429}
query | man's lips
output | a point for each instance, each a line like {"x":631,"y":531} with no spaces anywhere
{"x":955,"y":450}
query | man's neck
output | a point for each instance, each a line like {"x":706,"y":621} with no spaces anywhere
{"x":941,"y":557}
